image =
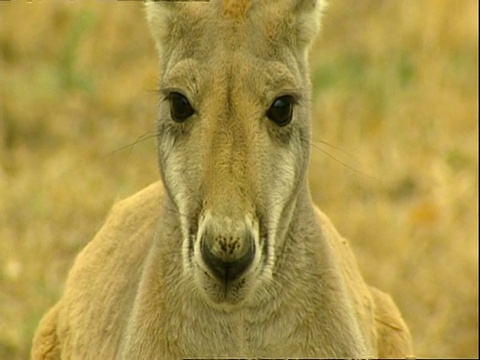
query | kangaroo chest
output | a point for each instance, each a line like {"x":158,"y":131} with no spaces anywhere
{"x":206,"y":333}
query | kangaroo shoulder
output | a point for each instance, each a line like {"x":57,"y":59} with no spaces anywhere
{"x":137,"y":208}
{"x":394,"y":339}
{"x":125,"y":237}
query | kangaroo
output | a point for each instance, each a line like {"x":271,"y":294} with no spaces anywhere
{"x":226,"y":256}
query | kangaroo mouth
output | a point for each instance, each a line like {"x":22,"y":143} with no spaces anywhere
{"x":227,"y":270}
{"x":228,"y":257}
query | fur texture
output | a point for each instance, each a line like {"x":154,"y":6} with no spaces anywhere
{"x":148,"y":304}
{"x":233,"y":181}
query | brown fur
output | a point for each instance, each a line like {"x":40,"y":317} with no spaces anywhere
{"x":141,"y":288}
{"x":235,"y":8}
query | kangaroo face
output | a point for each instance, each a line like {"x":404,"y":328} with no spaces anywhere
{"x":233,"y":140}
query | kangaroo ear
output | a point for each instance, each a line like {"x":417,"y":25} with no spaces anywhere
{"x":292,"y":22}
{"x":159,"y":18}
{"x":170,"y":19}
{"x":309,"y":15}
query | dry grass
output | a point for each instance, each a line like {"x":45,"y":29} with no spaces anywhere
{"x":395,"y":163}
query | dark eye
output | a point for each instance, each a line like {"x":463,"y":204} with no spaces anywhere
{"x":281,"y":111}
{"x":180,"y":108}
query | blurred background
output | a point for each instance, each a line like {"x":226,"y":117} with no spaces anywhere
{"x":394,"y":162}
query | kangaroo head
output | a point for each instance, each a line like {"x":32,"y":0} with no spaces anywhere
{"x":233,"y":132}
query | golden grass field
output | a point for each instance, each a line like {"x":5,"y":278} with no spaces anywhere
{"x":395,"y":161}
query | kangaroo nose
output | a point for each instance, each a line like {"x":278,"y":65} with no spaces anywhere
{"x":227,"y":270}
{"x":228,"y":256}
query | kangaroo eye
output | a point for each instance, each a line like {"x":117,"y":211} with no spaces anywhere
{"x":180,"y":108}
{"x":281,"y":110}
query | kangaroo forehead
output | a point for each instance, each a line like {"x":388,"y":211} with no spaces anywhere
{"x":233,"y":71}
{"x":207,"y":29}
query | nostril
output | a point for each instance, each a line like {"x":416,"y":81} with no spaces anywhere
{"x":236,"y":268}
{"x":231,"y":269}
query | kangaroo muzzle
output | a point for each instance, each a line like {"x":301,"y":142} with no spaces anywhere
{"x":227,"y":247}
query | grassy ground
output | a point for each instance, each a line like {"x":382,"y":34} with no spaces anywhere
{"x":395,"y":162}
